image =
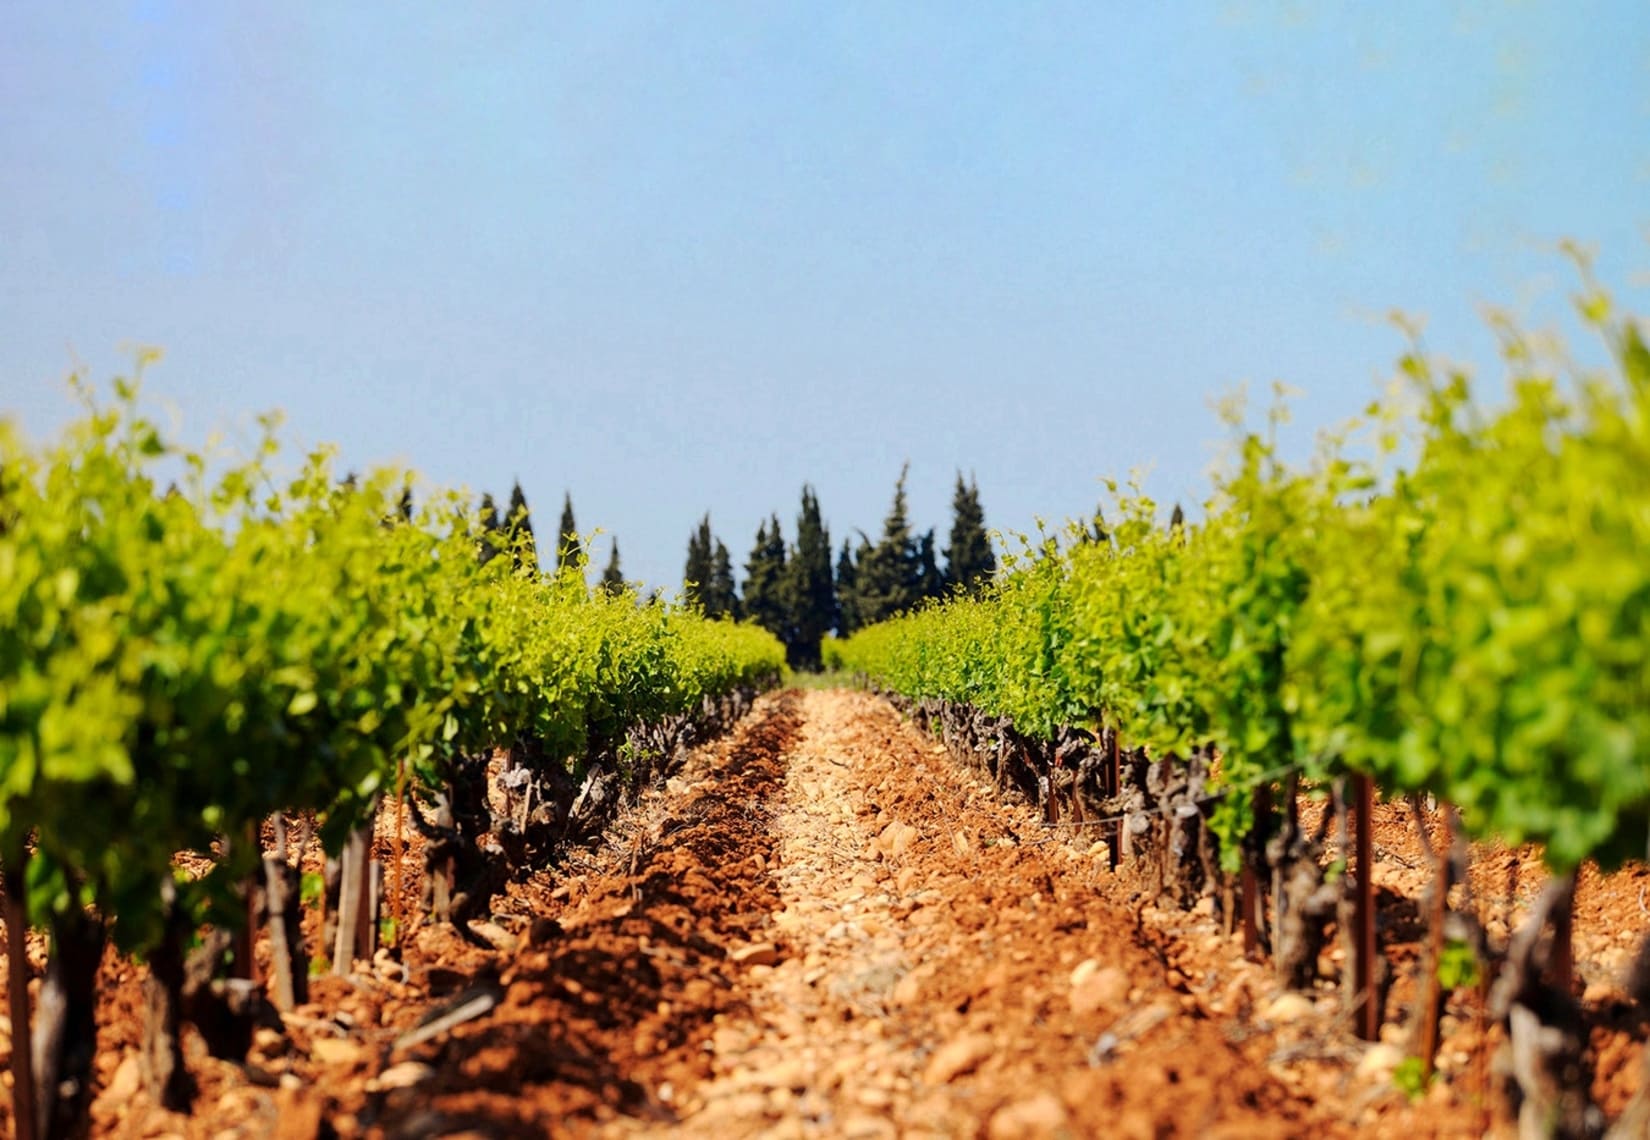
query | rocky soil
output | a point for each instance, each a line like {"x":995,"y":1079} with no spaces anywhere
{"x":824,"y":927}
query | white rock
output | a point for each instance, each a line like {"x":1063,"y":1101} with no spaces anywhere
{"x":336,"y":1051}
{"x":402,"y":1076}
{"x":1287,"y":1008}
{"x":756,"y":954}
{"x":1378,"y":1062}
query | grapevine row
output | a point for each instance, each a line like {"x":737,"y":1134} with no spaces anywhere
{"x":188,"y":648}
{"x":1465,"y":615}
{"x":1475,"y":625}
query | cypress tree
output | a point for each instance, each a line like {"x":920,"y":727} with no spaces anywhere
{"x":847,"y":592}
{"x":889,"y":574}
{"x":487,"y":545}
{"x":812,"y":596}
{"x":519,"y":530}
{"x":930,"y":582}
{"x":765,"y":601}
{"x":969,"y":560}
{"x":613,"y":577}
{"x":569,"y":552}
{"x":1096,"y":531}
{"x":696,"y":574}
{"x":721,"y":598}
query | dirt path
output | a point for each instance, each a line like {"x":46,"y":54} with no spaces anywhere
{"x":925,"y":985}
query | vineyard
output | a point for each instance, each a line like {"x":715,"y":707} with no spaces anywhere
{"x":1465,"y":629}
{"x":325,"y":811}
{"x":188,"y":668}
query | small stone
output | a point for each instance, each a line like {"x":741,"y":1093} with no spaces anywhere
{"x":1038,"y":1116}
{"x":337,"y":1051}
{"x":268,"y":1042}
{"x":756,"y":954}
{"x":1084,"y":970}
{"x":1287,"y":1008}
{"x":127,"y":1080}
{"x":1098,"y":988}
{"x":1378,"y":1061}
{"x":958,"y":1056}
{"x":402,"y":1076}
{"x":1598,"y":993}
{"x":495,"y":936}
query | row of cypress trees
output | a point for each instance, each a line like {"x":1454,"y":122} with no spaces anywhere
{"x":794,"y":591}
{"x":790,"y":589}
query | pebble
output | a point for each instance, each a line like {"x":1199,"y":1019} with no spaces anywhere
{"x":1095,"y":987}
{"x":127,"y":1080}
{"x":1287,"y":1008}
{"x":756,"y":954}
{"x":960,"y":1055}
{"x":496,"y":936}
{"x":402,"y":1076}
{"x":1038,"y":1116}
{"x":268,"y":1042}
{"x":1378,"y":1062}
{"x":337,"y":1051}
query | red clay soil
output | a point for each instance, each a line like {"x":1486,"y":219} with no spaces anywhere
{"x":823,"y":927}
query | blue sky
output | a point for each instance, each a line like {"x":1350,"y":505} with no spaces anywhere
{"x":678,"y":257}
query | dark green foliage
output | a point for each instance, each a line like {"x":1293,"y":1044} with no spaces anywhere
{"x":721,"y":598}
{"x":613,"y":577}
{"x":1096,"y":532}
{"x":765,"y":602}
{"x":811,"y":593}
{"x":888,"y":578}
{"x":969,"y":560}
{"x":569,"y":550}
{"x":696,"y":574}
{"x":847,"y":589}
{"x":707,"y":579}
{"x":518,"y":529}
{"x":488,"y":545}
{"x":930,"y":582}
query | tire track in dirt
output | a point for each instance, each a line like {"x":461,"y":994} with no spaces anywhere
{"x":949,"y":974}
